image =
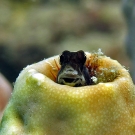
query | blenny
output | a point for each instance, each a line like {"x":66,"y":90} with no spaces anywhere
{"x":73,"y":71}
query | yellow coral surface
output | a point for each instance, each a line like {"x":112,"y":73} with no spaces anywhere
{"x":40,"y":106}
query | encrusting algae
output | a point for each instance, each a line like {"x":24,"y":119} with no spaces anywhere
{"x":40,"y":106}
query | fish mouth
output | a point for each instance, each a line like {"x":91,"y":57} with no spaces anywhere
{"x":69,"y":80}
{"x":72,"y":81}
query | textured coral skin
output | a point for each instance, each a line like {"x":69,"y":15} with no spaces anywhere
{"x":39,"y":106}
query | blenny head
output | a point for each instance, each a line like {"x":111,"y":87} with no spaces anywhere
{"x":72,"y":66}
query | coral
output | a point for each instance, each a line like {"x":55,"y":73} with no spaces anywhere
{"x":41,"y":106}
{"x":5,"y":93}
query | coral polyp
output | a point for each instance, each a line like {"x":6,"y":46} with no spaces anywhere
{"x":98,"y":67}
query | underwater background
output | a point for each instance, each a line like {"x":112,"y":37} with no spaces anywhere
{"x":31,"y":30}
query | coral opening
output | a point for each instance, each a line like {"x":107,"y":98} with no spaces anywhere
{"x":99,"y":67}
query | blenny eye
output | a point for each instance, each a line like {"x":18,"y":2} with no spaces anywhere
{"x":64,"y":58}
{"x":61,"y":59}
{"x":81,"y":56}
